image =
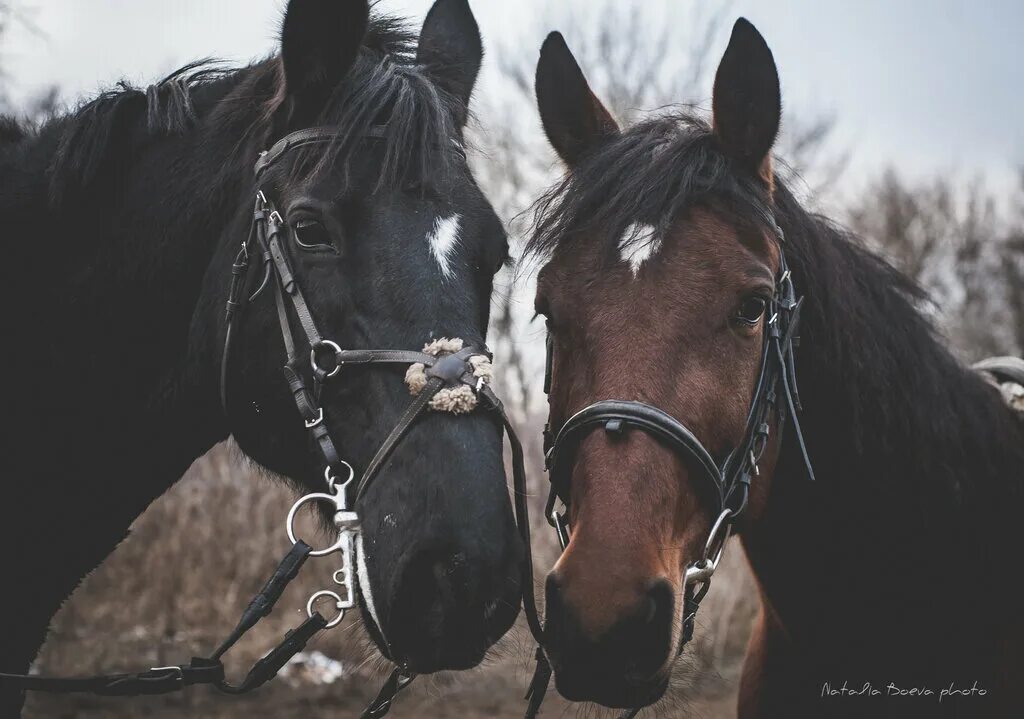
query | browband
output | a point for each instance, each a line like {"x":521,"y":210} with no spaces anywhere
{"x":309,"y":136}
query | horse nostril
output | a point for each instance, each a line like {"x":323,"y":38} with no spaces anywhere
{"x":660,"y":603}
{"x":652,"y":609}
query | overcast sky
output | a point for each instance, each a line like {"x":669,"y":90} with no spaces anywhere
{"x":925,"y":86}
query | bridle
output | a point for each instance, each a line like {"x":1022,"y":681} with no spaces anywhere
{"x":728,"y":482}
{"x":325,"y":360}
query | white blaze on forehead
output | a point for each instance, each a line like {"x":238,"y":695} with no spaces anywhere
{"x":443,"y":240}
{"x":364,"y":584}
{"x":638,"y":244}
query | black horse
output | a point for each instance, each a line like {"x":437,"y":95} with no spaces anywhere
{"x":123,"y":220}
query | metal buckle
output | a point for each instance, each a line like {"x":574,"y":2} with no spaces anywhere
{"x":176,"y":669}
{"x":311,"y":423}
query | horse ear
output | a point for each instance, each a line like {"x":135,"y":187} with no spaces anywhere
{"x":320,"y":40}
{"x":450,"y":47}
{"x":747,"y":104}
{"x":574,"y":118}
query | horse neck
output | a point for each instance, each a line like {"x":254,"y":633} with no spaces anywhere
{"x":917,"y":464}
{"x":115,"y":360}
{"x":131,"y":256}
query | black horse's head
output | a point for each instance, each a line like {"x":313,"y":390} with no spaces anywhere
{"x":393,"y":246}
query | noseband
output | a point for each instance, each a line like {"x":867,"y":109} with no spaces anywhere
{"x":728,"y":482}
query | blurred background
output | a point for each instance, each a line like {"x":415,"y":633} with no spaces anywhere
{"x":901,"y":120}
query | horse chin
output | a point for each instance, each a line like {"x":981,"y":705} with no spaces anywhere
{"x":613,"y":694}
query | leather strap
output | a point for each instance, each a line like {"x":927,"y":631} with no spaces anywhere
{"x":415,"y":408}
{"x":160,"y":680}
{"x":615,"y":416}
{"x":308,"y":136}
{"x":381,"y":705}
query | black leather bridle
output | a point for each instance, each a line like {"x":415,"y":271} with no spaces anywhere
{"x":728,"y":482}
{"x":326,"y":359}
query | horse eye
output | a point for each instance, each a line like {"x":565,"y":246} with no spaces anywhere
{"x":312,"y":235}
{"x":751,"y":310}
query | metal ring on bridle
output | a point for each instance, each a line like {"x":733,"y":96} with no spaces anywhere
{"x":337,"y":603}
{"x":332,"y":481}
{"x":703,"y":569}
{"x":715,"y":529}
{"x":291,"y":523}
{"x":330,"y":345}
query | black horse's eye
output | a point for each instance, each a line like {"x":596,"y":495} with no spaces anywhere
{"x":312,"y":235}
{"x":751,"y":310}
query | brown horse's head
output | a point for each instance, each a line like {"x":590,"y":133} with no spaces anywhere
{"x":659,"y":271}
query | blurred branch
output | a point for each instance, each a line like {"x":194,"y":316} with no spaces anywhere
{"x":45,"y":103}
{"x":955,"y":243}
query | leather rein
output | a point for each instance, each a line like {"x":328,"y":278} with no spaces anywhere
{"x":728,"y":482}
{"x":326,"y":359}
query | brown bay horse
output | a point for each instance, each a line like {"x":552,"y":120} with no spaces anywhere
{"x":888,"y":582}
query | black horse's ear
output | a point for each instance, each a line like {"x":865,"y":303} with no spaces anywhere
{"x":320,"y":41}
{"x":450,"y":48}
{"x":747,"y":104}
{"x":573,"y":117}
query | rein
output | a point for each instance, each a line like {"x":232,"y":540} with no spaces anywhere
{"x":728,"y":482}
{"x":326,"y":359}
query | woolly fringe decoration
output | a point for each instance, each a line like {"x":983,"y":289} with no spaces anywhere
{"x":457,"y":400}
{"x":1013,"y":394}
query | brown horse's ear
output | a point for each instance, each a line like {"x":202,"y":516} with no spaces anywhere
{"x":320,"y":41}
{"x":450,"y":48}
{"x":747,"y":102}
{"x":574,"y":119}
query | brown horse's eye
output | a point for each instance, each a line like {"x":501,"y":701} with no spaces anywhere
{"x":751,"y":310}
{"x":312,"y":235}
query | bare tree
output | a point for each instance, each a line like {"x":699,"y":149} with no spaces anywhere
{"x":956,"y":243}
{"x":43,"y":104}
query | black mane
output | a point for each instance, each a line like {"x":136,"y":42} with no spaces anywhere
{"x":870,"y":361}
{"x":247,"y":109}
